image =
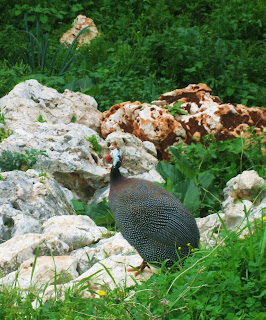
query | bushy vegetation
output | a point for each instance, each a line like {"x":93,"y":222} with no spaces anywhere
{"x":10,"y":161}
{"x":225,"y":282}
{"x":145,"y":48}
{"x":198,"y":173}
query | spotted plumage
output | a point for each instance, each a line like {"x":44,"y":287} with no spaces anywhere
{"x":151,"y":219}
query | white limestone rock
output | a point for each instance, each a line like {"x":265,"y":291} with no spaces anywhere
{"x":71,"y":158}
{"x":137,"y":157}
{"x":21,"y":248}
{"x":115,"y":245}
{"x":27,"y":199}
{"x":98,"y":278}
{"x":245,"y":185}
{"x":209,"y":228}
{"x":76,"y":231}
{"x":37,"y":275}
{"x":29,"y":100}
{"x":117,"y":266}
{"x":243,"y":198}
{"x":85,"y":109}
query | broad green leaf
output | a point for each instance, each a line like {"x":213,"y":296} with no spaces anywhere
{"x":78,"y":206}
{"x":189,"y":194}
{"x":169,"y":171}
{"x":43,"y":19}
{"x":192,"y":69}
{"x":183,"y":164}
{"x":100,"y":213}
{"x":206,"y":179}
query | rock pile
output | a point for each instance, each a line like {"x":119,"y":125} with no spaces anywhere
{"x":39,"y":230}
{"x":206,"y":114}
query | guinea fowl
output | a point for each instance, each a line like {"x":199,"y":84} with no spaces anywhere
{"x":150,"y":218}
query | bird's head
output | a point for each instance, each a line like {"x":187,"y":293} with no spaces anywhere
{"x":115,"y":156}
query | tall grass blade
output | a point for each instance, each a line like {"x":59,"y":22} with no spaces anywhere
{"x":34,"y":264}
{"x":109,"y":273}
{"x":66,"y":66}
{"x":63,"y":69}
{"x":54,"y":57}
{"x":44,"y":51}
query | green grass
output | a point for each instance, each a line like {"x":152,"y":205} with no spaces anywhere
{"x":227,"y":281}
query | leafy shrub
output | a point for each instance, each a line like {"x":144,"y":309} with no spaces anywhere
{"x":10,"y":161}
{"x":226,"y":159}
{"x":4,"y":133}
{"x":176,"y":109}
{"x":100,"y":213}
{"x":36,"y":55}
{"x":198,"y":173}
{"x":195,"y":190}
{"x":10,"y":75}
{"x":95,"y":144}
{"x":142,"y":52}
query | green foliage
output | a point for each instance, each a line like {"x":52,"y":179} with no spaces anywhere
{"x":226,"y":159}
{"x":95,"y":144}
{"x":36,"y":55}
{"x":80,"y":84}
{"x":10,"y":161}
{"x":100,"y":213}
{"x":176,"y":109}
{"x":2,"y":118}
{"x":40,"y":119}
{"x":10,"y":75}
{"x":195,"y":190}
{"x":73,"y":119}
{"x":4,"y":133}
{"x":148,"y":48}
{"x":39,"y":13}
{"x":2,"y":178}
{"x":199,"y":172}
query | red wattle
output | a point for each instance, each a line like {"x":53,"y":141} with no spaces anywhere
{"x":108,"y":158}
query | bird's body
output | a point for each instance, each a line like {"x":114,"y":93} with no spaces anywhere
{"x":151,"y":219}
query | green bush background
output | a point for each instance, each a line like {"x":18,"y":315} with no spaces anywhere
{"x":145,"y":48}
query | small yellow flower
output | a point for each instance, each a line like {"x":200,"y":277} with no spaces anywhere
{"x":189,"y":244}
{"x":101,"y":293}
{"x":264,"y":219}
{"x":179,"y":248}
{"x":192,"y":250}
